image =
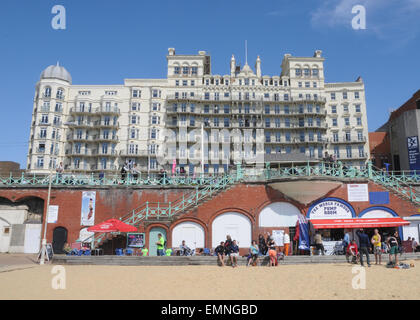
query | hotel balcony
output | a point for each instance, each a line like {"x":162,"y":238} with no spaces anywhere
{"x":108,"y":110}
{"x":352,"y":140}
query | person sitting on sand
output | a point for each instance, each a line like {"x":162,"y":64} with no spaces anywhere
{"x":220,"y":252}
{"x":234,"y":254}
{"x":353,"y":252}
{"x":253,"y":254}
{"x":272,"y":253}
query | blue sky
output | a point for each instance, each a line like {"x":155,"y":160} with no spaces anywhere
{"x":107,"y":41}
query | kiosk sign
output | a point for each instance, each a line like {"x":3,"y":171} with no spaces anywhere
{"x":330,"y":209}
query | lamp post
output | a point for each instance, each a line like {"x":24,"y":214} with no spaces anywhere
{"x":44,"y":239}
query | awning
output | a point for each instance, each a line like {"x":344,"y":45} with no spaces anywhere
{"x":358,"y":223}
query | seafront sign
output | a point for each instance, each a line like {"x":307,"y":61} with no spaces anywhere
{"x":330,"y":208}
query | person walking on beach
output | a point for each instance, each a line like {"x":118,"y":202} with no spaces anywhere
{"x":346,"y":240}
{"x":364,"y":244}
{"x":160,"y":245}
{"x":377,"y":246}
{"x":220,"y":252}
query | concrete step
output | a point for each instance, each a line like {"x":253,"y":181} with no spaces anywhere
{"x":203,"y":260}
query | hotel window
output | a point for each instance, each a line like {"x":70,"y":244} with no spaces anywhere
{"x":300,"y":108}
{"x":192,"y":94}
{"x":310,"y":122}
{"x":278,"y":137}
{"x":184,"y":83}
{"x":347,"y":136}
{"x":192,"y":121}
{"x":226,"y":122}
{"x":185,"y":70}
{"x":226,"y":94}
{"x":192,"y":107}
{"x":155,"y":120}
{"x":206,"y":108}
{"x":315,"y":72}
{"x":337,"y":152}
{"x":348,"y":151}
{"x":302,"y":149}
{"x":315,"y":84}
{"x":56,"y":120}
{"x":216,"y":109}
{"x":286,"y":110}
{"x":335,"y":136}
{"x":184,"y":95}
{"x":361,"y":152}
{"x":194,"y":70}
{"x":345,"y":108}
{"x":287,"y":122}
{"x":177,"y":83}
{"x":306,"y":72}
{"x":60,"y":93}
{"x":216,"y":122}
{"x":311,"y":136}
{"x":136,"y":94}
{"x":302,"y":136}
{"x":334,"y":122}
{"x":277,"y":122}
{"x":267,"y":122}
{"x":277,"y":109}
{"x":268,"y":150}
{"x":360,"y":135}
{"x":206,"y":96}
{"x":266,"y":95}
{"x":309,"y":108}
{"x":155,"y":106}
{"x":192,"y":83}
{"x":177,"y":70}
{"x":308,"y":96}
{"x":359,"y":121}
{"x":346,"y":121}
{"x":300,"y":84}
{"x":58,"y":107}
{"x":315,"y":96}
{"x":285,"y":83}
{"x":207,"y":82}
{"x":319,"y":136}
{"x":44,"y":118}
{"x":345,"y":95}
{"x":216,"y":96}
{"x":267,"y":137}
{"x":298,"y":72}
{"x":286,"y":97}
{"x":318,"y":108}
{"x":307,"y":84}
{"x":47,"y":92}
{"x":133,"y":133}
{"x":301,"y":122}
{"x":135,"y":106}
{"x":311,"y":152}
{"x":227,"y":82}
{"x":332,"y":95}
{"x":356,"y":95}
{"x":43,"y":133}
{"x":267,"y":109}
{"x":133,"y":119}
{"x":358,"y":109}
{"x":183,"y":107}
{"x":288,"y":137}
{"x":153,"y":134}
{"x":320,"y":152}
{"x":246,"y":82}
{"x":153,"y":163}
{"x":253,"y":82}
{"x":226,"y":108}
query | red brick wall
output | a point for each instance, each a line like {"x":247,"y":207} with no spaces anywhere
{"x":248,"y":199}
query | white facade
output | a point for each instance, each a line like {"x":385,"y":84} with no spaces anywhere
{"x":94,"y":128}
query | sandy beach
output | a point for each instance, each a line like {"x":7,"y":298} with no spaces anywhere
{"x":315,"y":281}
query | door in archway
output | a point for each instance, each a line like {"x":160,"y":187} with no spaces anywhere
{"x":153,"y":238}
{"x":59,"y":239}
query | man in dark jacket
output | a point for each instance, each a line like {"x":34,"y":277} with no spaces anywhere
{"x":364,"y":245}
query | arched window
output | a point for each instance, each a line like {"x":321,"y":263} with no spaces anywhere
{"x":47,"y":92}
{"x":60,"y":93}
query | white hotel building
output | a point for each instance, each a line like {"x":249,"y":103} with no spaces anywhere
{"x":294,"y":116}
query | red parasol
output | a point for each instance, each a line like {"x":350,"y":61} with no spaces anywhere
{"x":112,"y":225}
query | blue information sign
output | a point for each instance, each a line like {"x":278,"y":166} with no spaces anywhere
{"x":413,"y":152}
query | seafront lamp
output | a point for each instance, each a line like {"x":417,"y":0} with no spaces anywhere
{"x":44,"y":238}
